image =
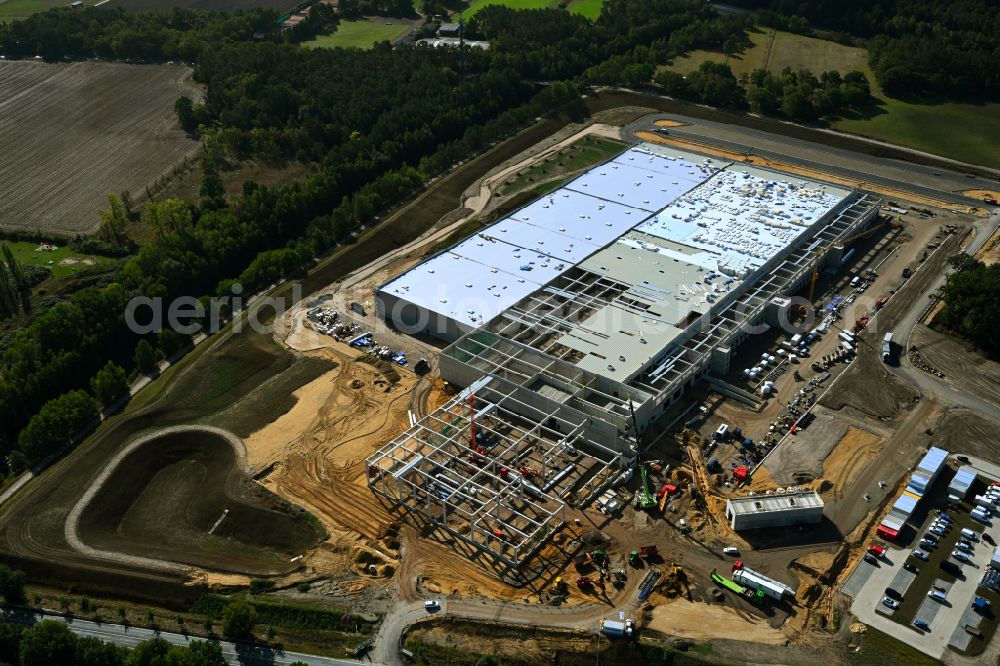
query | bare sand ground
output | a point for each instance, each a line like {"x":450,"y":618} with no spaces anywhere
{"x":704,"y":622}
{"x":849,"y":457}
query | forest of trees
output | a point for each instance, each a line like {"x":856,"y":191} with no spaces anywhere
{"x":971,"y":296}
{"x":377,"y":124}
{"x":916,"y":47}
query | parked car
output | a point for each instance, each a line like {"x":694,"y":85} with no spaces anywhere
{"x":893,"y":594}
{"x":938,"y":595}
{"x":988,"y":539}
{"x":931,"y":537}
{"x":938,"y":531}
{"x":919,"y":554}
{"x":920,"y":624}
{"x":891,"y":603}
{"x":960,"y":555}
{"x":871,"y":559}
{"x":432,"y":605}
{"x":964,"y":545}
{"x":950,"y":567}
{"x":927,"y":543}
{"x":910,"y":567}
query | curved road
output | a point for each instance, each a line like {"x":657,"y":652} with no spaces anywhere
{"x":925,"y":181}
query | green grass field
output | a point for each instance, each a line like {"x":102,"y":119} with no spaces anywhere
{"x":360,"y":34}
{"x":589,"y":8}
{"x":476,"y":5}
{"x":19,"y":9}
{"x":74,"y":262}
{"x":958,"y":131}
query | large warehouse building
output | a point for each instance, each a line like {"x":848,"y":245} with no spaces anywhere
{"x":596,"y":306}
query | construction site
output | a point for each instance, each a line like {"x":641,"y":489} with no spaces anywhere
{"x":633,"y":385}
{"x":657,"y":390}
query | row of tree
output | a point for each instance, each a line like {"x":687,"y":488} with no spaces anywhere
{"x":51,"y":642}
{"x":15,"y":288}
{"x":377,"y":124}
{"x":799,"y":96}
{"x":916,"y":47}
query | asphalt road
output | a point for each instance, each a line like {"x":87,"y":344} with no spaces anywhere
{"x":922,"y":180}
{"x":235,"y":653}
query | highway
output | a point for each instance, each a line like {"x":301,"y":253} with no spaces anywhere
{"x":905,"y":176}
{"x":235,"y":653}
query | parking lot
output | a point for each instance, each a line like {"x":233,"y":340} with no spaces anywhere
{"x":944,"y":618}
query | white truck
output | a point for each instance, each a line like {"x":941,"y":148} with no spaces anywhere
{"x":887,"y":347}
{"x":617,"y":628}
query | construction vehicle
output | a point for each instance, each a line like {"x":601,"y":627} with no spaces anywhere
{"x":862,"y":321}
{"x":753,"y":596}
{"x":582,"y":561}
{"x":990,"y":199}
{"x":646,"y":499}
{"x":559,"y":587}
{"x":880,"y":301}
{"x":600,"y":557}
{"x":633,"y":557}
{"x":648,"y":551}
{"x":584,"y":582}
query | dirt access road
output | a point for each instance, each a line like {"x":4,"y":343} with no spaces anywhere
{"x":70,"y":133}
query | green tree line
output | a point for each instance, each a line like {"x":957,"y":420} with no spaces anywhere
{"x":971,"y":296}
{"x":50,"y":642}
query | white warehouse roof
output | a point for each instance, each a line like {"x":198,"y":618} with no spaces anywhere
{"x":469,"y":291}
{"x":580,"y":216}
{"x":639,"y":178}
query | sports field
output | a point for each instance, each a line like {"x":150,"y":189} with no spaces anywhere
{"x":958,"y":131}
{"x":63,"y":261}
{"x":19,"y":9}
{"x":360,"y":34}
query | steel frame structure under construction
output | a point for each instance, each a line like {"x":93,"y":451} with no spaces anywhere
{"x":467,"y":467}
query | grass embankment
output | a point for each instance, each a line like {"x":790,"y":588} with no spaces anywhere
{"x":579,"y":155}
{"x":360,"y":34}
{"x":63,"y":261}
{"x":879,"y":649}
{"x":957,"y":131}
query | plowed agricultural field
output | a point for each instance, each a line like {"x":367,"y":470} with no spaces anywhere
{"x":70,"y":133}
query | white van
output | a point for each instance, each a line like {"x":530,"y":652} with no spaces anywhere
{"x":731,"y":550}
{"x":855,"y":281}
{"x":969,"y":534}
{"x":938,"y":595}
